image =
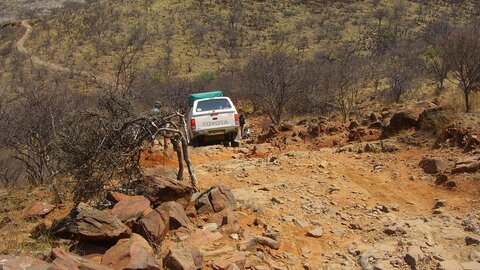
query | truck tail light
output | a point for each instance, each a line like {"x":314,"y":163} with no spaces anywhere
{"x":193,"y":124}
{"x":237,"y":119}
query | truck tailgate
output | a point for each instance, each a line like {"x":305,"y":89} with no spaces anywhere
{"x":215,"y":121}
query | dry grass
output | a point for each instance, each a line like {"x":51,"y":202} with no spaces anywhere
{"x":15,"y":235}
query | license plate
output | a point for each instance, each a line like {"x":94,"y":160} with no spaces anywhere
{"x":216,"y":132}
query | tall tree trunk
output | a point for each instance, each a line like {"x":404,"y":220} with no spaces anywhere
{"x":467,"y":100}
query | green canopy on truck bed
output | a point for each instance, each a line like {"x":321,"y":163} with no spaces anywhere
{"x":197,"y":96}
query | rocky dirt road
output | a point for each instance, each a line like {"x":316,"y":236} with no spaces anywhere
{"x":347,"y":211}
{"x":301,"y":203}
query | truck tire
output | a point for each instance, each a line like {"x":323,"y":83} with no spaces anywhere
{"x":196,"y":142}
{"x":235,"y":144}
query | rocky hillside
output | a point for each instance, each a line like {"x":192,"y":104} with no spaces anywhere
{"x":193,"y":37}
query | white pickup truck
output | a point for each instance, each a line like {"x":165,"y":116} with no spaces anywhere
{"x":213,"y":117}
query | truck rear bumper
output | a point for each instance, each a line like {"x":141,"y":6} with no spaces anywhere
{"x":215,"y":132}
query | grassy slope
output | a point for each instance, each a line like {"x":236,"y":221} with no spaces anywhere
{"x":86,"y":36}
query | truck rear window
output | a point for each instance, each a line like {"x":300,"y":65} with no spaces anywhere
{"x":213,"y":105}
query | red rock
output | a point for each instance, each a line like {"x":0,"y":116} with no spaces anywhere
{"x":183,"y":257}
{"x":221,"y":198}
{"x":433,"y":165}
{"x":202,"y":238}
{"x":10,"y":262}
{"x":132,"y":253}
{"x":39,"y":209}
{"x":224,"y":217}
{"x":215,"y":200}
{"x":408,"y":118}
{"x":153,"y":227}
{"x":87,"y":223}
{"x":115,"y":197}
{"x":64,"y":260}
{"x":175,"y":214}
{"x":203,"y":205}
{"x":160,"y":190}
{"x":130,"y":208}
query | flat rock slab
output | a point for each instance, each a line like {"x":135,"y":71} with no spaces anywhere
{"x":65,"y":260}
{"x":115,"y":197}
{"x":467,"y":165}
{"x":87,"y":223}
{"x":316,"y":232}
{"x":130,"y":207}
{"x":450,"y":265}
{"x":471,"y":265}
{"x":237,"y":258}
{"x":159,"y":190}
{"x":10,"y":262}
{"x":39,"y":209}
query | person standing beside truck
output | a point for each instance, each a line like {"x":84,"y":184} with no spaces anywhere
{"x":156,"y":111}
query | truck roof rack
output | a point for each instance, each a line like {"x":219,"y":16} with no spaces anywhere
{"x":197,"y":96}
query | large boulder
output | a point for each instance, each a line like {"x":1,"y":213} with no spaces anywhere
{"x":87,"y":223}
{"x":215,"y":200}
{"x":433,"y":165}
{"x":8,"y":262}
{"x":131,"y":253}
{"x":65,"y":260}
{"x":469,"y":164}
{"x":433,"y":119}
{"x":183,"y":257}
{"x":159,"y":190}
{"x":408,"y":118}
{"x":130,"y":208}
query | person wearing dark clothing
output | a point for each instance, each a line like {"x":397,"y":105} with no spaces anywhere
{"x":243,"y":129}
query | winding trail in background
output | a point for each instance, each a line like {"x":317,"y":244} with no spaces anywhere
{"x":52,"y":66}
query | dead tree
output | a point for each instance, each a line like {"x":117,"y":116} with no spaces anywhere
{"x":100,"y":147}
{"x":171,"y":130}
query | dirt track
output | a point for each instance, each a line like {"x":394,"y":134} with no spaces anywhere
{"x":295,"y":191}
{"x":52,"y":66}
